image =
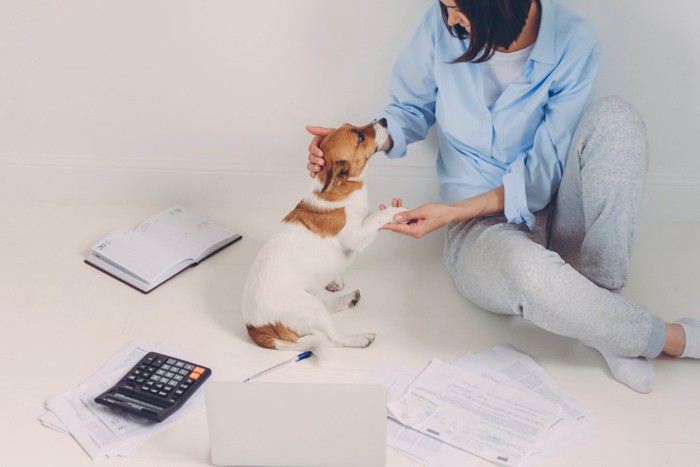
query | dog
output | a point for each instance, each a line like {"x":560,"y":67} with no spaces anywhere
{"x":282,"y":308}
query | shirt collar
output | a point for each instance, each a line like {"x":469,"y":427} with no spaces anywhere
{"x":544,"y":50}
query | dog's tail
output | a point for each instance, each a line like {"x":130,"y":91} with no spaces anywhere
{"x":318,"y":344}
{"x":280,"y":337}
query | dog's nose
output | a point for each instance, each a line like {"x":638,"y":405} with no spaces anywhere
{"x":382,"y":122}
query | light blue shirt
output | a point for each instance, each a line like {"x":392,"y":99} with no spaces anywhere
{"x":521,"y":142}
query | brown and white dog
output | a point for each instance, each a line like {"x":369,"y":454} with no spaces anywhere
{"x":319,"y":239}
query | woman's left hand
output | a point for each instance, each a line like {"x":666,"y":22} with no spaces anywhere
{"x":421,"y":221}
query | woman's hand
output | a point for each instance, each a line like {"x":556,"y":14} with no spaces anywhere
{"x":316,"y":160}
{"x":432,"y":216}
{"x":423,"y":220}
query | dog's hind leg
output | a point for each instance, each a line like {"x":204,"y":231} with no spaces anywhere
{"x":335,"y":304}
{"x":312,"y":318}
{"x":353,"y":340}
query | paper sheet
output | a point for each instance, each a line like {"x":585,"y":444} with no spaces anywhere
{"x":103,"y":432}
{"x":476,"y":414}
{"x":503,"y":366}
{"x":422,"y":448}
{"x":575,"y":430}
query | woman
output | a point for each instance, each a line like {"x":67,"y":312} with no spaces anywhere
{"x":540,"y":189}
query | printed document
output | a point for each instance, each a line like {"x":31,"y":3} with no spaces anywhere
{"x":100,"y":431}
{"x":501,"y":367}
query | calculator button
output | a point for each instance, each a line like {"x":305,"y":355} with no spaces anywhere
{"x":188,"y":366}
{"x":198,"y":369}
{"x":171,"y":361}
{"x":194,"y":376}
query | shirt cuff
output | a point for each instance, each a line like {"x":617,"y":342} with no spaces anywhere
{"x":515,"y":202}
{"x":397,"y":137}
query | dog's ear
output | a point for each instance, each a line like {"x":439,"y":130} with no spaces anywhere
{"x":336,"y":174}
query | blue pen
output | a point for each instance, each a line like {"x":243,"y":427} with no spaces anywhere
{"x":299,"y":357}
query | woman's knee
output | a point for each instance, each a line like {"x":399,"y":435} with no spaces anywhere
{"x":615,"y":114}
{"x":612,"y":133}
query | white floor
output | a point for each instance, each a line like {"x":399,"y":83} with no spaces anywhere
{"x":62,"y":319}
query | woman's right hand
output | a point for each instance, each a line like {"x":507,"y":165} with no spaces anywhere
{"x":316,"y":160}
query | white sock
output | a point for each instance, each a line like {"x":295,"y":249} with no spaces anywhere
{"x":636,"y":372}
{"x":691,"y":327}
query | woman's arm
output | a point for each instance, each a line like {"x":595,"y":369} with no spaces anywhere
{"x":430,"y":217}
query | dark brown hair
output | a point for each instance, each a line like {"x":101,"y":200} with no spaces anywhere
{"x":494,"y":24}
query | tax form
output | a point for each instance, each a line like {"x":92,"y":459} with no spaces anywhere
{"x":577,"y":427}
{"x":506,"y":366}
{"x":476,"y":414}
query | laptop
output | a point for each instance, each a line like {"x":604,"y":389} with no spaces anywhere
{"x":296,"y":424}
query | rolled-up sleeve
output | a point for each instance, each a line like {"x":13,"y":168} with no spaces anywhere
{"x":412,"y":89}
{"x":533,"y":178}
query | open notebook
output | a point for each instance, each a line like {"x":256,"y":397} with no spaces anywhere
{"x":159,"y":248}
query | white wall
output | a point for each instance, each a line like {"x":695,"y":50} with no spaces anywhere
{"x":125,"y":99}
{"x":651,"y":59}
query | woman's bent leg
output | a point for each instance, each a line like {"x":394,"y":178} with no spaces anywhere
{"x":505,"y":269}
{"x":595,"y":213}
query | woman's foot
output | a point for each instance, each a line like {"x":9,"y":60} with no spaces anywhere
{"x":636,"y":372}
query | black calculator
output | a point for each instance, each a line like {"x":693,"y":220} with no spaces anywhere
{"x":155,"y":387}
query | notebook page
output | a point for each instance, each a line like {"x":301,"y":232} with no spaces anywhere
{"x":189,"y":234}
{"x":138,"y":254}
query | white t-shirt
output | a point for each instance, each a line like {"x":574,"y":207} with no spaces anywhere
{"x":501,"y":70}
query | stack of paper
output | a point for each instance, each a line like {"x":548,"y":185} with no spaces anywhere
{"x":101,"y":431}
{"x":497,"y":405}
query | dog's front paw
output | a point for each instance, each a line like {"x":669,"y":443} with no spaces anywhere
{"x":385,"y":216}
{"x":335,"y":285}
{"x":390,"y":212}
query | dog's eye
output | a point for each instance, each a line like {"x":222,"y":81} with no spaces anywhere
{"x":360,"y":138}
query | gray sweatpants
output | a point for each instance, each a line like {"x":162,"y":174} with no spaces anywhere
{"x":565,"y":276}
